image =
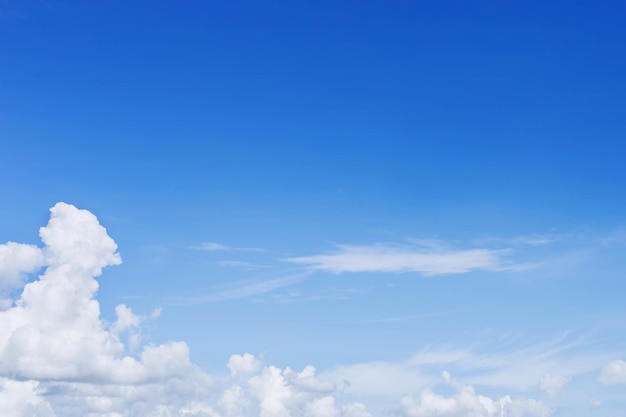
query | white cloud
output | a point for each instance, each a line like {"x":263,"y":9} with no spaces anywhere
{"x":242,"y":265}
{"x":21,"y":398}
{"x":308,"y":382}
{"x":595,"y":403}
{"x":214,"y":246}
{"x":521,"y":368}
{"x":405,"y":258}
{"x":497,"y":367}
{"x":323,"y":407}
{"x":55,"y":331}
{"x":379,"y":378}
{"x":286,"y":393}
{"x":465,"y":402}
{"x":552,"y":385}
{"x":58,"y":357}
{"x":526,"y":240}
{"x":355,"y":410}
{"x":243,"y":364}
{"x":126,"y":320}
{"x":16,"y":260}
{"x":245,"y":289}
{"x":614,"y":373}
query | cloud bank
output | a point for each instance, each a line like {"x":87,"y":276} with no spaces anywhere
{"x":58,"y":357}
{"x":465,"y":402}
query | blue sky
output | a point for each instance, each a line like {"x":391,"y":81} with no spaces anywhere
{"x":383,"y":191}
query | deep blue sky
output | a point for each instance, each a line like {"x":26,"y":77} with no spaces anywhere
{"x":293,"y":127}
{"x":510,"y":109}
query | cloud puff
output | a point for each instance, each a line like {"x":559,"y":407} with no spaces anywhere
{"x":55,"y":332}
{"x":552,"y":385}
{"x":613,"y":373}
{"x":21,"y":398}
{"x":404,"y":258}
{"x":53,"y":341}
{"x":243,"y":364}
{"x":465,"y":402}
{"x":16,"y":260}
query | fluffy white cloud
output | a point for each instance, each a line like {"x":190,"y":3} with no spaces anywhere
{"x":243,"y":364}
{"x":404,"y":258}
{"x":614,"y":373}
{"x":355,"y":410}
{"x":22,"y":398}
{"x":466,"y":403}
{"x":58,"y":357}
{"x":54,"y":331}
{"x":16,"y":260}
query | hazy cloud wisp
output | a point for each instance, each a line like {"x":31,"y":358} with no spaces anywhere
{"x":405,"y":258}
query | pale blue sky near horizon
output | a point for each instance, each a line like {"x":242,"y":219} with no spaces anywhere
{"x":251,"y":159}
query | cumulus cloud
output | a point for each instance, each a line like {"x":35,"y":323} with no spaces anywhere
{"x":286,"y":393}
{"x":58,"y":357}
{"x":54,"y":331}
{"x":243,"y":364}
{"x":53,"y":340}
{"x":16,"y":260}
{"x":614,"y":373}
{"x":405,"y":258}
{"x":22,"y":398}
{"x":465,"y":402}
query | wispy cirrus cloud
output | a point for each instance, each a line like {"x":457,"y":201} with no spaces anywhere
{"x":399,"y":258}
{"x":215,"y":247}
{"x":546,"y":367}
{"x":242,"y":265}
{"x":244,"y":289}
{"x":525,"y":240}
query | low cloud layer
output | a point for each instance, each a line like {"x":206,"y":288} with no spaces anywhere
{"x":465,"y":402}
{"x":58,"y":357}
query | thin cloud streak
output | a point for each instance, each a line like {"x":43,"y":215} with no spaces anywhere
{"x":215,"y":247}
{"x":244,"y":290}
{"x":407,"y":318}
{"x":242,"y":265}
{"x":407,"y":258}
{"x":525,"y":240}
